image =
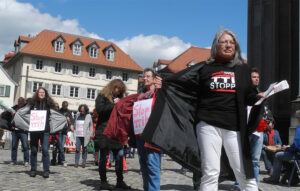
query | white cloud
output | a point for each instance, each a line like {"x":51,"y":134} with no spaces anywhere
{"x":22,"y":19}
{"x":147,"y":49}
{"x":18,"y":18}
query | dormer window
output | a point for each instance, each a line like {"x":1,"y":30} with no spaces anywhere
{"x":76,"y":47}
{"x":59,"y":44}
{"x":110,"y":53}
{"x":93,"y":50}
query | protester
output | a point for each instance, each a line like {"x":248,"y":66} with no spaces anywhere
{"x":19,"y":134}
{"x":211,"y":96}
{"x":83,"y":127}
{"x":149,"y":156}
{"x":70,"y":121}
{"x":105,"y":101}
{"x":256,"y":136}
{"x":40,"y":101}
{"x":55,"y":139}
{"x":271,"y":138}
{"x":288,"y":153}
{"x":96,"y":149}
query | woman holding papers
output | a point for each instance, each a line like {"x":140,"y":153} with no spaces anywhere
{"x":105,"y":102}
{"x":39,"y":129}
{"x":83,"y":128}
{"x":201,"y":109}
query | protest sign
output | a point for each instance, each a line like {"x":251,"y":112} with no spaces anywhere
{"x":141,"y":114}
{"x":37,"y":120}
{"x":79,"y":128}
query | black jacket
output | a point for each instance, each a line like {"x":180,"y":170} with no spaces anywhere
{"x":172,"y":123}
{"x":104,"y":108}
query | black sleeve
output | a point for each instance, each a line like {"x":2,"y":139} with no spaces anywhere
{"x":103,"y":105}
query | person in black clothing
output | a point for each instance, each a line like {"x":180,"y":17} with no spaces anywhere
{"x":62,"y":136}
{"x":205,"y":107}
{"x":105,"y":101}
{"x":40,"y":101}
{"x":18,"y":134}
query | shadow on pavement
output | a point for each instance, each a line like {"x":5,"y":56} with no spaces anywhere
{"x":95,"y":185}
{"x":175,"y":187}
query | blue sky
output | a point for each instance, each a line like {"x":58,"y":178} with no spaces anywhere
{"x":156,"y":24}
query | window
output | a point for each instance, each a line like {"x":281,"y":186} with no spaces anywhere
{"x":39,"y":65}
{"x":92,"y":72}
{"x":108,"y":74}
{"x":93,"y":52}
{"x":77,"y":49}
{"x":57,"y":67}
{"x":74,"y":91}
{"x":56,"y":89}
{"x":2,"y":90}
{"x":36,"y":86}
{"x":59,"y":46}
{"x":110,"y":55}
{"x":91,"y":93}
{"x":75,"y":70}
{"x":125,"y":76}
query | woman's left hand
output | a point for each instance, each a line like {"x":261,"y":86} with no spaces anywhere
{"x":261,"y":95}
{"x":158,"y":82}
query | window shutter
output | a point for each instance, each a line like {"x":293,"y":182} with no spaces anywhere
{"x":7,"y":91}
{"x":33,"y":65}
{"x":66,"y":91}
{"x":83,"y":92}
{"x":45,"y":68}
{"x":62,"y":90}
{"x":50,"y":89}
{"x":29,"y":87}
{"x":53,"y":68}
{"x":47,"y":87}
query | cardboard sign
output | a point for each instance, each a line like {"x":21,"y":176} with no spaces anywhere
{"x":141,"y":114}
{"x":79,"y":128}
{"x":70,"y":142}
{"x":37,"y":120}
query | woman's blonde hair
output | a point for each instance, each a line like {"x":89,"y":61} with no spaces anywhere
{"x":107,"y":91}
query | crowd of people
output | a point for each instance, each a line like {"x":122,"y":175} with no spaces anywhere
{"x":208,"y":106}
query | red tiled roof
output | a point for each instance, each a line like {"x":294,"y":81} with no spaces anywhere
{"x":42,"y":45}
{"x":193,"y":54}
{"x":9,"y":55}
{"x":25,"y":39}
{"x":166,"y":62}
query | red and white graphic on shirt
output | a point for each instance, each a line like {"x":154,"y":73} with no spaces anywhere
{"x":223,"y":82}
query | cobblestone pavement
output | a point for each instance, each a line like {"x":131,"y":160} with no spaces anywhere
{"x":70,"y":178}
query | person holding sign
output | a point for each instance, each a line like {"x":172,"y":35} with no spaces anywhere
{"x":149,"y":157}
{"x":105,"y":102}
{"x":83,"y":128}
{"x":204,"y":106}
{"x":39,"y":129}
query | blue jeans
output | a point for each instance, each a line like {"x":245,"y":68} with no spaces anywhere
{"x":268,"y":158}
{"x":150,"y":161}
{"x":59,"y":148}
{"x":131,"y":152}
{"x":34,"y":144}
{"x":79,"y":143}
{"x":256,"y":143}
{"x":279,"y":158}
{"x":16,"y":136}
{"x":118,"y":155}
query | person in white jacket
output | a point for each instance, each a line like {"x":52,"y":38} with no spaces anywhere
{"x":83,"y":129}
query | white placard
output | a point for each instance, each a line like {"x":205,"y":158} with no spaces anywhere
{"x":79,"y":128}
{"x":141,"y":113}
{"x":37,"y":120}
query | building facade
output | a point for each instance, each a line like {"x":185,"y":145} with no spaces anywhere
{"x":273,"y":47}
{"x":7,"y":89}
{"x":72,"y":68}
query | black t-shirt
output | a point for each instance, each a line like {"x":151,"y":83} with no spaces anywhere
{"x":217,"y":104}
